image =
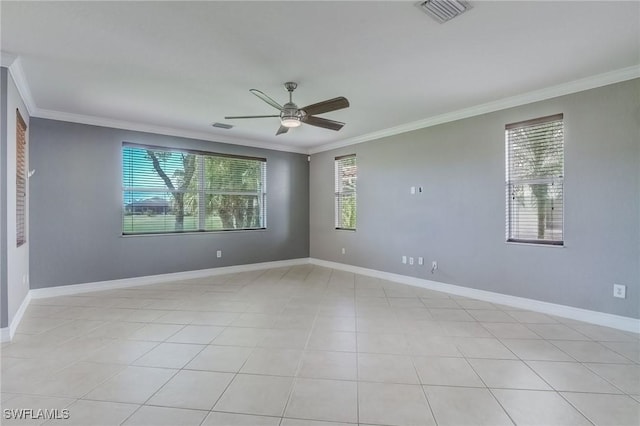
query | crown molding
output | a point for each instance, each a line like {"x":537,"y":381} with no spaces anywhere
{"x":575,"y":86}
{"x":14,"y":64}
{"x":168,"y":131}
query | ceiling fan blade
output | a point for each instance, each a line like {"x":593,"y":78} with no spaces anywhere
{"x":250,"y":116}
{"x":326,"y":106}
{"x":322,"y":122}
{"x":282,"y":130}
{"x":266,"y":98}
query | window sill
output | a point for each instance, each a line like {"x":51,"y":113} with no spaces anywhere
{"x":165,"y":234}
{"x":518,"y":243}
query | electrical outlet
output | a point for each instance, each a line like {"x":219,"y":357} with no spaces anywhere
{"x":421,"y":261}
{"x":404,"y":259}
{"x":620,"y":291}
{"x":219,"y":254}
{"x":411,"y":261}
{"x":344,"y":250}
{"x":413,"y":190}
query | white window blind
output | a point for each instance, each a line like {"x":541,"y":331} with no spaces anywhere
{"x":21,"y":180}
{"x":346,"y":176}
{"x":167,"y":190}
{"x":534,"y":181}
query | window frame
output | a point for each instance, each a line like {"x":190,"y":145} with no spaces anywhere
{"x":21,"y":180}
{"x":544,"y":179}
{"x":340,"y":193}
{"x":201,"y":190}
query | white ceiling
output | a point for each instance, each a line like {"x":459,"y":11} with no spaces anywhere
{"x":179,"y":66}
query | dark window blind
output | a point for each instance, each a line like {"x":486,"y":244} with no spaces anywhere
{"x":535,"y":181}
{"x":21,"y":180}
{"x":167,"y":191}
{"x":346,"y":176}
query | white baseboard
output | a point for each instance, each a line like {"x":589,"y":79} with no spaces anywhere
{"x":6,"y":333}
{"x":592,"y":317}
{"x":66,"y":290}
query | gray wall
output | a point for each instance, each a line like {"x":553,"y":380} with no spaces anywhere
{"x":459,"y":219}
{"x":76,"y":198}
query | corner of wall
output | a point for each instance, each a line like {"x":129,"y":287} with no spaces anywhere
{"x":14,"y":267}
{"x":4,"y":315}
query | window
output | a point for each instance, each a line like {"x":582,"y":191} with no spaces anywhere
{"x":346,"y":175}
{"x":534,"y":187}
{"x":167,"y":191}
{"x":21,"y":180}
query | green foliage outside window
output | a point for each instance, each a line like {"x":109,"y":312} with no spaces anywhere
{"x":174,"y":191}
{"x":535,"y":174}
{"x":346,"y":176}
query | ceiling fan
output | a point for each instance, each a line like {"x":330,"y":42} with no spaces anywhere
{"x":292,"y":116}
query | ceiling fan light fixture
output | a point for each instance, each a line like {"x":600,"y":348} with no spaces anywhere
{"x":290,"y":122}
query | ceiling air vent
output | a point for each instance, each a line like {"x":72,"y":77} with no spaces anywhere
{"x":444,"y":10}
{"x":222,"y":126}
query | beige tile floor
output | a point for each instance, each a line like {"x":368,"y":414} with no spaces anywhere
{"x":312,"y":346}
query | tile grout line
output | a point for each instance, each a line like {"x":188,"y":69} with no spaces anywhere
{"x":181,"y":369}
{"x":242,"y":282}
{"x":576,"y":408}
{"x":355,"y":310}
{"x":299,"y":366}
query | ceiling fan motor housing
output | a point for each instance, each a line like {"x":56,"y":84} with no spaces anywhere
{"x":290,"y":116}
{"x":290,"y":110}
